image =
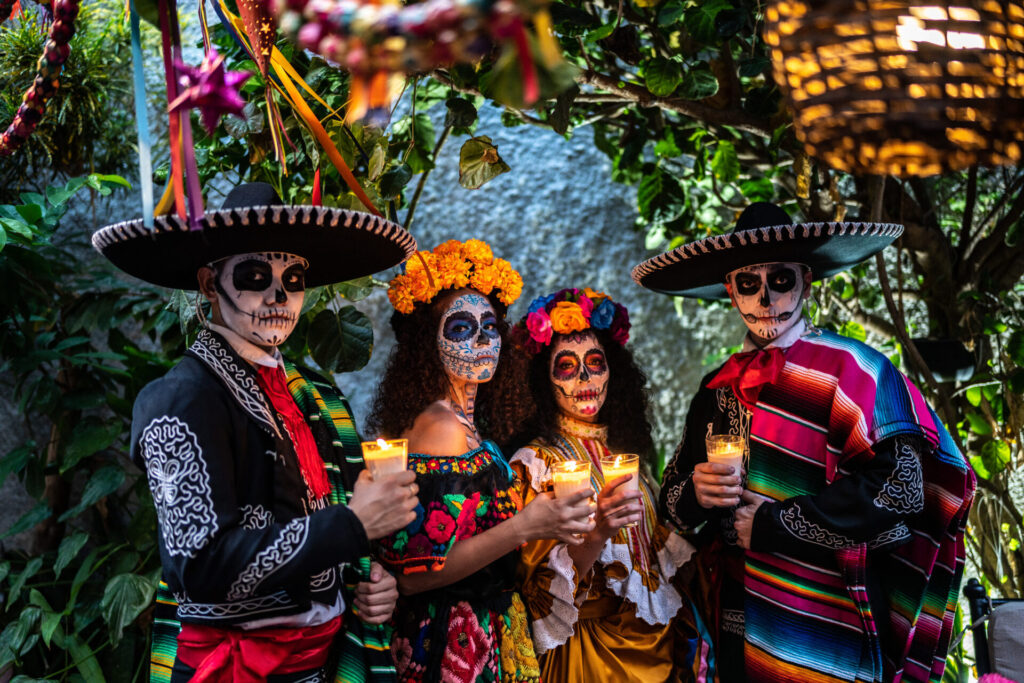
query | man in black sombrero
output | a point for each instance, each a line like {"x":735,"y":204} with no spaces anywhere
{"x":253,"y":462}
{"x":835,"y":552}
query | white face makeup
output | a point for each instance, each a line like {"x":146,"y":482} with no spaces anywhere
{"x":468,"y":340}
{"x":769,"y":296}
{"x":579,"y":375}
{"x":261,"y":295}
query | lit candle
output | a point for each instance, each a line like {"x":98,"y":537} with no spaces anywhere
{"x":615,"y":466}
{"x":569,"y":477}
{"x":385,"y":457}
{"x":726,"y":449}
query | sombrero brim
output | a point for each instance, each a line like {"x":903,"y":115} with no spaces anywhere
{"x":338,"y":244}
{"x":698,"y":269}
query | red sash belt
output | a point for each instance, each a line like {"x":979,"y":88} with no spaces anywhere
{"x":227,"y":656}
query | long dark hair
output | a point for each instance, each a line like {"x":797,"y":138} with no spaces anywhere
{"x":415,"y":377}
{"x":624,"y":411}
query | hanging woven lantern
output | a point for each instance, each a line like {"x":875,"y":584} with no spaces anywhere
{"x":902,"y":87}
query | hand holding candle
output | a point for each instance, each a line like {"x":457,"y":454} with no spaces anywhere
{"x":620,"y":465}
{"x":726,"y":449}
{"x":570,"y":476}
{"x":384,"y":457}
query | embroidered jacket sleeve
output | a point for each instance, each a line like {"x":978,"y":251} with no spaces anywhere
{"x":678,"y":500}
{"x":195,"y":448}
{"x":871,"y":505}
{"x":551,"y":587}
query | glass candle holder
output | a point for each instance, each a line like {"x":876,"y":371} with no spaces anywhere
{"x":385,"y":456}
{"x":726,"y":449}
{"x":619,"y":465}
{"x":569,"y":477}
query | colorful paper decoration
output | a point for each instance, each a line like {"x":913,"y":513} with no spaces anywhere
{"x":210,"y":88}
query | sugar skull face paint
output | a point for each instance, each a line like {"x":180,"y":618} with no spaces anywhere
{"x":468,"y":339}
{"x":579,"y":375}
{"x":769,"y":297}
{"x":261,"y":295}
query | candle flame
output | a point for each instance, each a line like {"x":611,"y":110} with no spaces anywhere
{"x":618,"y":461}
{"x":571,"y":466}
{"x":381,"y":443}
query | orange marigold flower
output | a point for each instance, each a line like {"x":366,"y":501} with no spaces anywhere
{"x":484,"y":279}
{"x":477,"y":251}
{"x":566,"y":317}
{"x":447,"y":248}
{"x":454,"y":271}
{"x":419,"y":287}
{"x":400,"y":296}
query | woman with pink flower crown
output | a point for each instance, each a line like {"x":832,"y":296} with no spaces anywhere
{"x":458,"y":619}
{"x":604,"y":609}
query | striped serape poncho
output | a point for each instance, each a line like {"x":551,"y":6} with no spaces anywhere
{"x":856,"y":560}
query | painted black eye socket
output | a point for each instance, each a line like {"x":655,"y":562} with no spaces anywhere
{"x":489,"y":325}
{"x":252,"y":276}
{"x":294,"y":278}
{"x":782,"y":280}
{"x":747,"y":283}
{"x":459,"y":327}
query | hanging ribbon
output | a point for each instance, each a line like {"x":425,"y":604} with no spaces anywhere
{"x":142,"y":121}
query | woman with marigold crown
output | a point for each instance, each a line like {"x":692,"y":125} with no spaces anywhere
{"x":444,"y":389}
{"x":603,"y":609}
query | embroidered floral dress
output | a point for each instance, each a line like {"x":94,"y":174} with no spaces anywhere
{"x":476,"y":629}
{"x":614,"y":624}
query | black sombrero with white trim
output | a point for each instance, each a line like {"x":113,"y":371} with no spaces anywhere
{"x":764,"y":233}
{"x":338,"y":244}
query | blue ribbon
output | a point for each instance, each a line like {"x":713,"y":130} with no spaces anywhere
{"x":142,"y":122}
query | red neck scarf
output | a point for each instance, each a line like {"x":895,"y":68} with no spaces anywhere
{"x":272,"y":381}
{"x":745,"y":373}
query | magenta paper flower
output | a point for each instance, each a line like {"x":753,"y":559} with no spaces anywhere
{"x":210,"y":88}
{"x":539,"y":325}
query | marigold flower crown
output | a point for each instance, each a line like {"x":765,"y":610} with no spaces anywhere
{"x":454,"y":265}
{"x":567,"y":311}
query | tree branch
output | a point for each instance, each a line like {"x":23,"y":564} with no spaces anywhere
{"x":633,"y":92}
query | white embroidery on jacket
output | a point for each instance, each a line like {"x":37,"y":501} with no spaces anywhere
{"x":255,"y":517}
{"x":267,"y":561}
{"x":900,"y":532}
{"x":903,"y":491}
{"x":793,"y":520}
{"x":180,"y":484}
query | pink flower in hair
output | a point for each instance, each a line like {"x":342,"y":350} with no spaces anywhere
{"x":539,"y":324}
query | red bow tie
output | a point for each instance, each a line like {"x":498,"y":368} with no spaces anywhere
{"x":745,"y":373}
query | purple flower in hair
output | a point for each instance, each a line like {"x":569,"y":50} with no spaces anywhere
{"x":620,"y":325}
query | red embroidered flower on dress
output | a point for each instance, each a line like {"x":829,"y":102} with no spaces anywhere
{"x":419,"y":546}
{"x":465,"y":526}
{"x":401,"y":652}
{"x":468,"y":647}
{"x":440,"y":526}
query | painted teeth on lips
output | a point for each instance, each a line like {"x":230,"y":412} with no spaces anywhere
{"x":585,"y":396}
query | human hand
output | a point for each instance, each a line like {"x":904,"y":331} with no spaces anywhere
{"x":384,"y":505}
{"x":616,"y":507}
{"x":562,"y":518}
{"x":743,"y":517}
{"x":375,"y":599}
{"x":716,"y":485}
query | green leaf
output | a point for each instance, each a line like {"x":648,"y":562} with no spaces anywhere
{"x":18,"y":582}
{"x":50,"y":622}
{"x":666,"y":146}
{"x":88,"y":437}
{"x":754,"y":66}
{"x":461,"y":112}
{"x":700,"y":20}
{"x":762,"y":190}
{"x":725,"y":164}
{"x":28,"y":520}
{"x":17,"y":227}
{"x":101,"y":484}
{"x":561,"y":113}
{"x":662,"y":76}
{"x":997,"y":455}
{"x":5,"y":569}
{"x":978,"y":424}
{"x":599,"y":33}
{"x":15,"y":460}
{"x":978,"y":465}
{"x":699,"y":83}
{"x":3,"y":236}
{"x":392,"y":182}
{"x":124,"y":599}
{"x":973,"y":395}
{"x":671,"y":12}
{"x":84,"y":659}
{"x":479,"y":162}
{"x":1015,"y":347}
{"x":32,"y":213}
{"x":378,"y":158}
{"x":69,"y":548}
{"x":342,"y":341}
{"x":659,"y":197}
{"x":853,"y":330}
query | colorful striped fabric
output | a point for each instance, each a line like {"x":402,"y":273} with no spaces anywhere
{"x":363,"y":651}
{"x":805,"y":621}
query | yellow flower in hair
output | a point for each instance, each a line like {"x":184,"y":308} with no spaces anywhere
{"x":454,"y":271}
{"x":415,"y":264}
{"x":477,"y":251}
{"x":400,"y":295}
{"x":448,"y":248}
{"x":509,"y":282}
{"x":567,"y":316}
{"x":484,"y":278}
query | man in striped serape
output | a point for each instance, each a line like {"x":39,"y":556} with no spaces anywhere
{"x":265,"y":512}
{"x":836,"y":553}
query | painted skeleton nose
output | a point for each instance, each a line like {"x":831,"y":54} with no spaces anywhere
{"x":584,"y":375}
{"x":765,"y":297}
{"x":280,"y":297}
{"x":481,"y":339}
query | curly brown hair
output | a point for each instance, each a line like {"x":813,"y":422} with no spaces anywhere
{"x":415,"y":377}
{"x":625,"y":409}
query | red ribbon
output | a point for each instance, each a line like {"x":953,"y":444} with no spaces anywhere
{"x":272,"y":381}
{"x":745,"y":373}
{"x":227,"y":656}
